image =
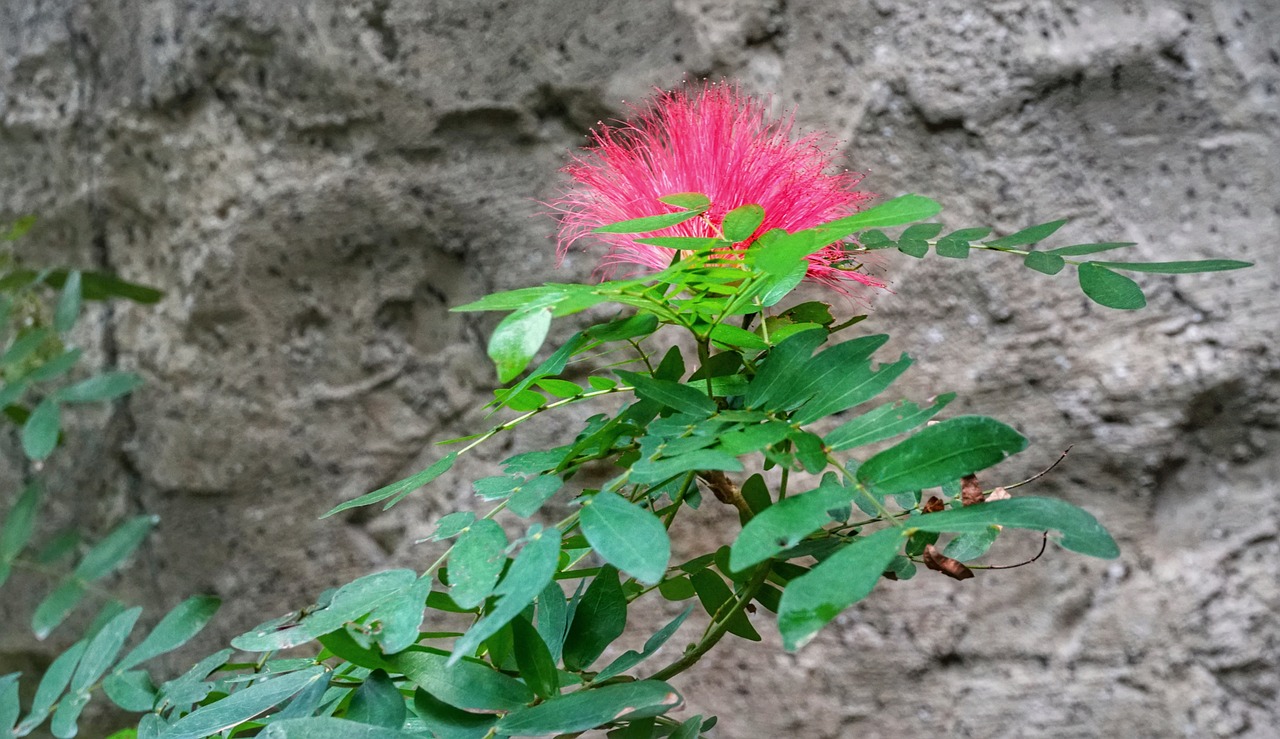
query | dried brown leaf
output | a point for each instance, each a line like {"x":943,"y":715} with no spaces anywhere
{"x":934,"y":560}
{"x":932,"y":505}
{"x":971,"y":490}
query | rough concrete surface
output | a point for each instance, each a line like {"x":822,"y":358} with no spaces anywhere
{"x":314,"y":183}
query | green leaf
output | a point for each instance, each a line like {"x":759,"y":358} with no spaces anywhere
{"x":20,"y":522}
{"x":190,"y":686}
{"x":783,"y":524}
{"x":517,"y":338}
{"x":1110,"y":289}
{"x":533,"y":659}
{"x":55,"y":681}
{"x":627,"y":536}
{"x":859,"y":384}
{"x":1178,"y":268}
{"x":328,"y":727}
{"x":971,"y":544}
{"x":9,"y":706}
{"x":649,"y":223}
{"x":68,"y":310}
{"x":465,"y":684}
{"x":63,"y":725}
{"x":56,"y":607}
{"x":564,"y":298}
{"x":560,"y":388}
{"x":41,"y":430}
{"x":955,"y":245}
{"x":377,"y":702}
{"x":939,"y":454}
{"x":732,"y":336}
{"x":446,"y":722}
{"x":25,"y":346}
{"x":177,"y":627}
{"x":242,"y":705}
{"x":895,"y":212}
{"x":875,"y":239}
{"x":132,"y":690}
{"x":812,"y":600}
{"x":1081,"y":532}
{"x":601,"y":617}
{"x":712,"y":594}
{"x":476,"y":562}
{"x":648,"y":471}
{"x":553,"y":619}
{"x":884,"y":422}
{"x":109,"y":553}
{"x":1043,"y":261}
{"x":353,"y":600}
{"x":683,"y":398}
{"x":401,"y":488}
{"x":686,"y":200}
{"x":741,"y":223}
{"x":525,"y":579}
{"x":1077,"y":250}
{"x":103,"y":649}
{"x":641,"y":324}
{"x":631,"y":657}
{"x":587,"y":709}
{"x":530,"y":495}
{"x":106,"y":386}
{"x":19,"y":228}
{"x":775,"y":382}
{"x":55,"y":367}
{"x":451,"y":525}
{"x":1028,"y":235}
{"x":917,"y":248}
{"x":102,"y":286}
{"x":921,"y":232}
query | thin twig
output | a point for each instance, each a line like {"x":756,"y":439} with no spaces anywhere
{"x":1041,"y":473}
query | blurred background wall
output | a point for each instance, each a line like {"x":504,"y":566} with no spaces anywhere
{"x":314,"y":183}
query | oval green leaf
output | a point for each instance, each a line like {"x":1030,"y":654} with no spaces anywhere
{"x":516,"y":339}
{"x":627,"y":536}
{"x":1080,"y":531}
{"x":939,"y":454}
{"x":476,"y":562}
{"x":1107,"y":288}
{"x":587,"y":709}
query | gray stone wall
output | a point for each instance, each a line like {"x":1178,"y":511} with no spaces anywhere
{"x":315,"y":183}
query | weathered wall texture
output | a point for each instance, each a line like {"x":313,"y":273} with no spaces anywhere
{"x":314,"y":183}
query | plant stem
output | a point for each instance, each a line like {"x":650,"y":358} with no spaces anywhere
{"x":719,"y":627}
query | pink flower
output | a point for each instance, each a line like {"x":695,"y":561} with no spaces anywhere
{"x":721,"y":143}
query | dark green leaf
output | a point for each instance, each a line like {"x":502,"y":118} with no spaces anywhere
{"x":377,"y":702}
{"x":955,"y":245}
{"x":600,"y":618}
{"x":476,"y":562}
{"x":191,"y":687}
{"x":175,"y":629}
{"x":884,"y":422}
{"x":525,"y":579}
{"x":773,"y":386}
{"x":19,"y":228}
{"x":627,"y":536}
{"x":940,"y":453}
{"x":447,"y":722}
{"x":895,"y":212}
{"x":921,"y":231}
{"x":631,"y":658}
{"x":914,"y":247}
{"x":1028,"y":235}
{"x":649,"y":223}
{"x":810,"y":601}
{"x":131,"y":690}
{"x":712,"y":594}
{"x":401,"y":488}
{"x":55,"y":681}
{"x":101,"y":286}
{"x":587,"y":709}
{"x":517,"y":338}
{"x":56,"y":607}
{"x":783,"y":524}
{"x":106,"y":386}
{"x":741,"y":223}
{"x":109,"y":553}
{"x":1178,"y":268}
{"x":690,"y":728}
{"x":242,"y":705}
{"x":20,"y":522}
{"x":1081,"y":532}
{"x":1043,"y":261}
{"x":683,"y":398}
{"x":553,"y":619}
{"x":809,"y":451}
{"x":648,"y":471}
{"x":1110,"y":289}
{"x":1077,"y":250}
{"x":747,"y":439}
{"x":875,"y":239}
{"x":328,"y":727}
{"x":466,"y":684}
{"x":731,"y":336}
{"x":63,"y":725}
{"x":41,"y":430}
{"x":858,"y":384}
{"x":622,"y":329}
{"x":533,"y":659}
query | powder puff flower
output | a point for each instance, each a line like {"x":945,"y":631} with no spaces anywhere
{"x":722,"y":144}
